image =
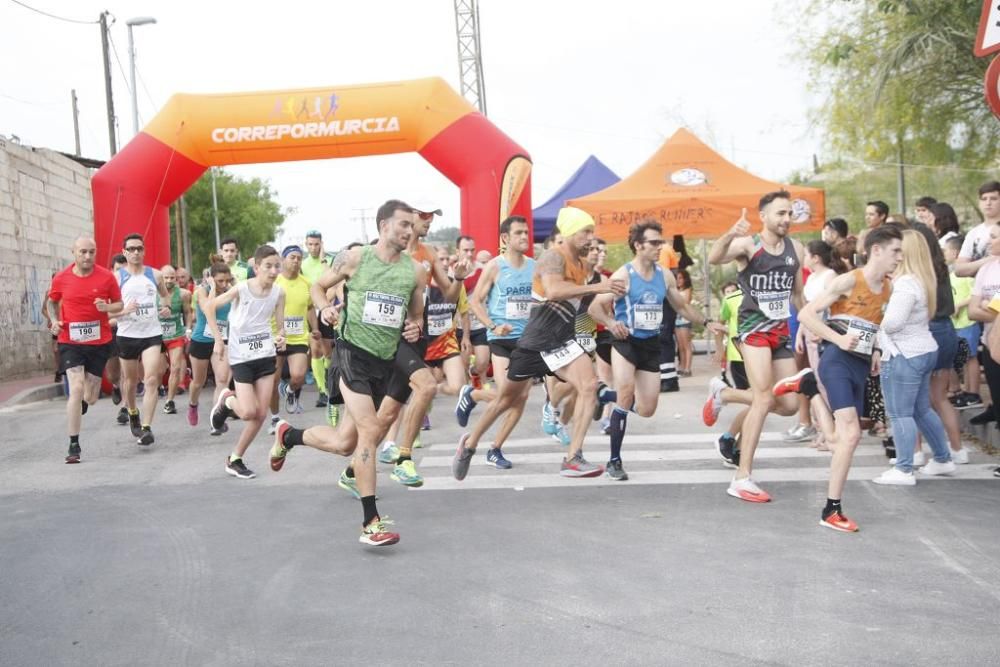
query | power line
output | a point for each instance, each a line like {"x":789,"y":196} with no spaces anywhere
{"x":53,"y":16}
{"x":142,"y":82}
{"x":34,"y":104}
{"x":121,"y":68}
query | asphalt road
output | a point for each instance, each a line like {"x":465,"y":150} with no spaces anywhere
{"x":158,"y":557}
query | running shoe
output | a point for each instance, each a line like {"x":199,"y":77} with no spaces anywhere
{"x":116,"y":394}
{"x":960,"y":457}
{"x":463,"y":457}
{"x":193,"y":415}
{"x":996,"y":472}
{"x":122,"y":417}
{"x":133,"y":423}
{"x":934,"y":468}
{"x":426,"y":424}
{"x":237,"y":469}
{"x":375,"y":533}
{"x":668,"y":385}
{"x":332,"y":414}
{"x":580,"y":467}
{"x":495,"y":458}
{"x":278,"y":450}
{"x":464,"y":406}
{"x":792,"y":384}
{"x":84,"y":406}
{"x":322,"y":400}
{"x":971,"y":400}
{"x":285,"y":390}
{"x":799,"y":433}
{"x":169,"y":408}
{"x":837,"y":521}
{"x":389,"y":452}
{"x":562,"y":435}
{"x":349,"y":484}
{"x":219,"y":412}
{"x":984,"y":417}
{"x":273,"y":426}
{"x":713,"y":404}
{"x":615,"y":471}
{"x":746,"y":489}
{"x":146,"y":439}
{"x":74,"y":454}
{"x":896,"y":477}
{"x":550,"y":421}
{"x":601,"y":401}
{"x":406,"y":474}
{"x":140,"y":389}
{"x":726,"y":446}
{"x":297,"y":409}
{"x":161,"y":391}
{"x":605,"y":427}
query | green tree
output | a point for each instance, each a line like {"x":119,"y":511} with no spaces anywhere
{"x":899,"y":78}
{"x":248,"y":211}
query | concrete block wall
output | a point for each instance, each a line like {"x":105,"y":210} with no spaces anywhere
{"x":45,"y":205}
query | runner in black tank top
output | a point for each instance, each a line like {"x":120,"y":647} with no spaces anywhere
{"x":771,"y":280}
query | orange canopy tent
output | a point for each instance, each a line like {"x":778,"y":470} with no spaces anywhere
{"x":692,"y":190}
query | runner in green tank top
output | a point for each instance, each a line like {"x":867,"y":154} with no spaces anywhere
{"x":175,"y":330}
{"x":383,"y":302}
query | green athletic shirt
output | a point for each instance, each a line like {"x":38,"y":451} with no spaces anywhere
{"x":730,"y":314}
{"x":173,"y":326}
{"x":376,"y":301}
{"x":961,"y":289}
{"x":312,"y":268}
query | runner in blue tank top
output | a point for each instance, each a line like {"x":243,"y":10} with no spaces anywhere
{"x":771,"y":278}
{"x":634,"y":320}
{"x":502,"y":299}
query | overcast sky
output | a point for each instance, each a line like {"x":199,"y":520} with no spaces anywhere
{"x":564,"y":80}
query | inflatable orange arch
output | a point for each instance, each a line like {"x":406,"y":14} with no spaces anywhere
{"x":134,"y":190}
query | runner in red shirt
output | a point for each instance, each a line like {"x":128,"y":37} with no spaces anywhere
{"x":475,"y":344}
{"x":80,"y":299}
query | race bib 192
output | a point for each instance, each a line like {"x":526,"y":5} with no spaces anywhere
{"x":384,"y":310}
{"x":85,"y":332}
{"x":518,"y":308}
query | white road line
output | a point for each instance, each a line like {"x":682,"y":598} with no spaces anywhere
{"x":660,"y":455}
{"x":503,"y":480}
{"x":602,"y":440}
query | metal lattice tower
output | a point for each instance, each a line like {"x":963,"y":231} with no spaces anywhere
{"x":470,"y":61}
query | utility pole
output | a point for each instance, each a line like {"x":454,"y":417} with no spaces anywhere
{"x":470,"y":59}
{"x":901,"y":179}
{"x":215,"y":209}
{"x":362,"y":217}
{"x":76,"y":121}
{"x":107,"y":83}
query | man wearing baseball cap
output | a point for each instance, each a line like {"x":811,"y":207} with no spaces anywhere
{"x":548,"y":345}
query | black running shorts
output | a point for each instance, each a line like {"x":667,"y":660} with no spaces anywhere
{"x":93,"y":358}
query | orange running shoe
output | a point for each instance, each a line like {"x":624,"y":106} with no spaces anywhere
{"x":792,"y":384}
{"x":838,"y":521}
{"x":747,"y":489}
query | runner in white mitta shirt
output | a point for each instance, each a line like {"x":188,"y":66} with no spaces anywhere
{"x":252,"y":351}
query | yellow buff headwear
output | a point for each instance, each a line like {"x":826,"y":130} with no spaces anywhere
{"x":572,"y":220}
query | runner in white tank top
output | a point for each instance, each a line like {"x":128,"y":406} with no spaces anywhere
{"x":140,"y":335}
{"x":252,"y":352}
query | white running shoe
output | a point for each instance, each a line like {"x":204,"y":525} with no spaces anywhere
{"x":960,"y":457}
{"x":896,"y":477}
{"x":935,"y":468}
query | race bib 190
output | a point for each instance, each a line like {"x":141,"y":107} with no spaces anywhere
{"x":775,"y":305}
{"x":648,"y":316}
{"x":384,"y":310}
{"x":562,"y":356}
{"x":85,"y":332}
